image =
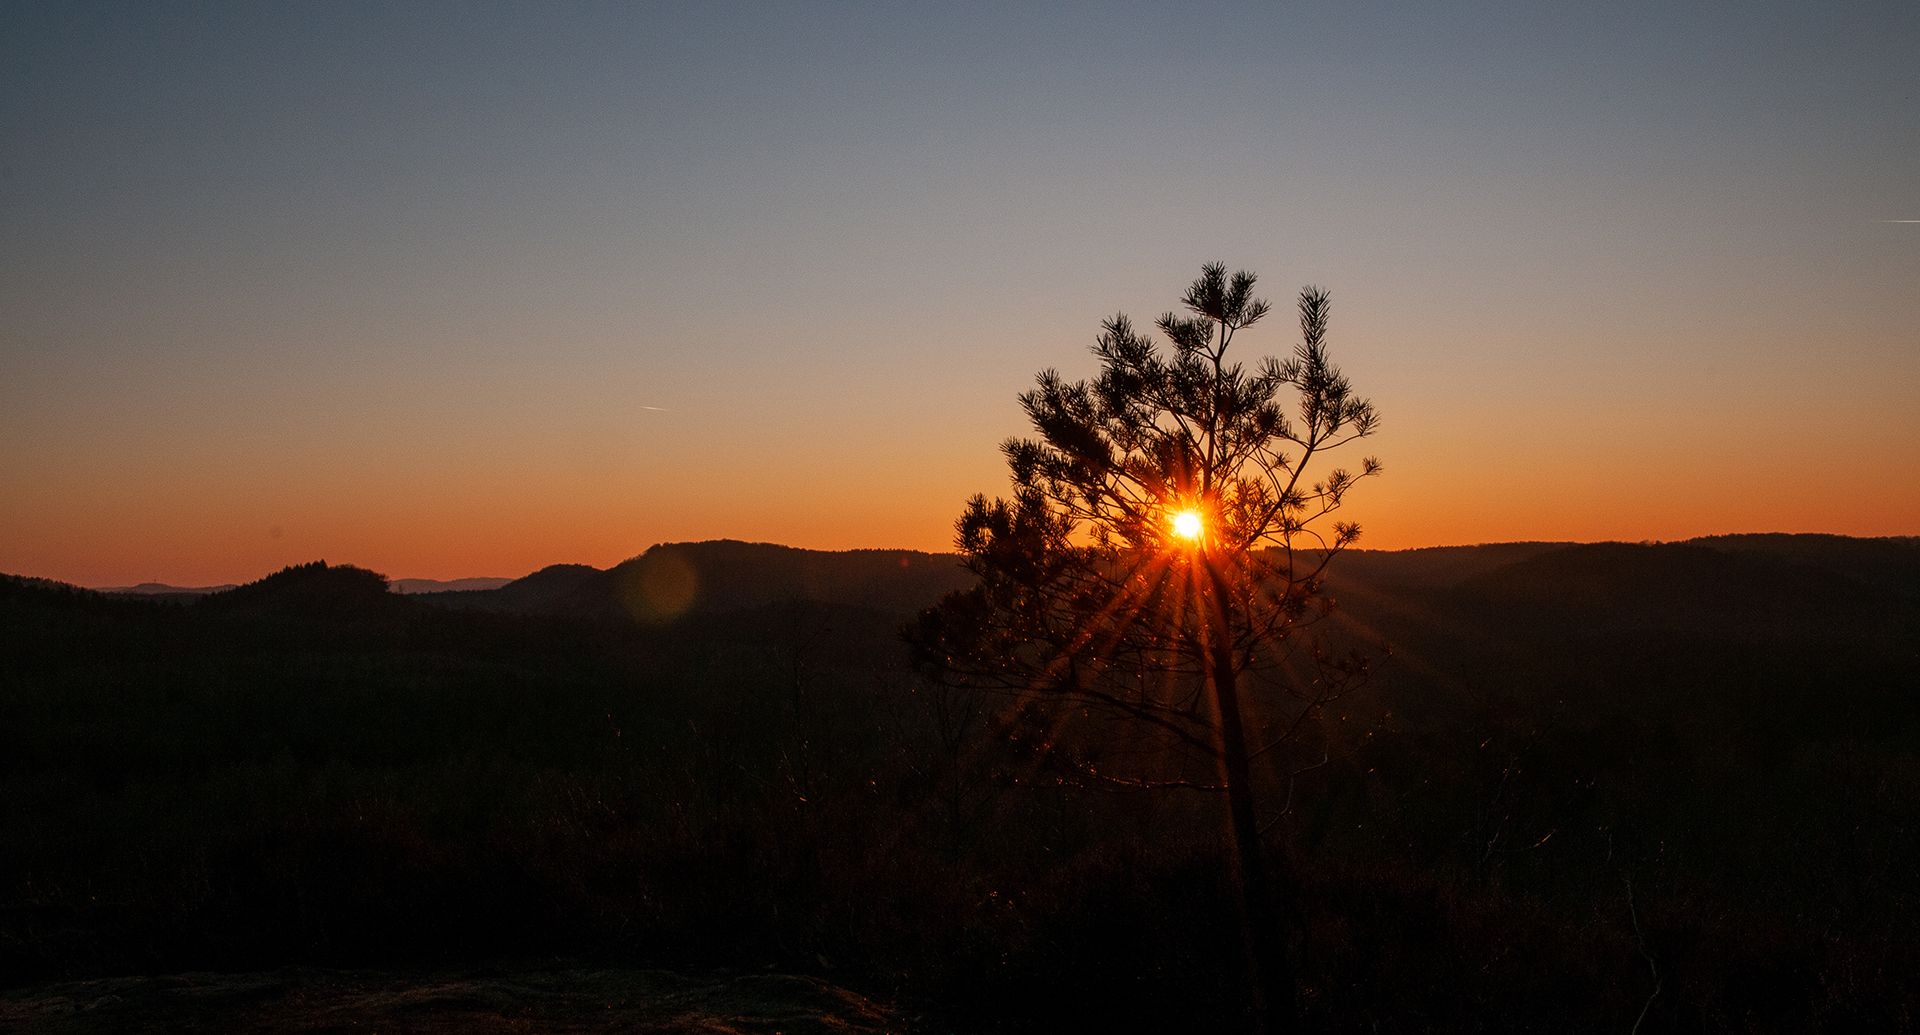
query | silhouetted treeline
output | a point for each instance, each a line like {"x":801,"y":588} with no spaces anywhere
{"x":1588,"y":780}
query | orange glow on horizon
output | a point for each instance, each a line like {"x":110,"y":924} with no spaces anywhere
{"x":136,"y":533}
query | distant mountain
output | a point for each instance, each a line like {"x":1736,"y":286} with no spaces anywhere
{"x":674,"y":579}
{"x":1674,"y":585}
{"x":543,"y":592}
{"x":161,"y":589}
{"x":726,"y":575}
{"x":445,"y":585}
{"x":1432,"y":566}
{"x":1890,"y":563}
{"x":1737,"y":580}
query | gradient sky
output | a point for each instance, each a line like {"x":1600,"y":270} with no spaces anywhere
{"x":467,"y":290}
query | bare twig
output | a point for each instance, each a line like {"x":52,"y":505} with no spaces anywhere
{"x":1640,"y":943}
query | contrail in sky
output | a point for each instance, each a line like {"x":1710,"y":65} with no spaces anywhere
{"x":657,"y":409}
{"x":1900,"y":220}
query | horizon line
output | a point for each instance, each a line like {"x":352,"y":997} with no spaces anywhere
{"x":213,"y":586}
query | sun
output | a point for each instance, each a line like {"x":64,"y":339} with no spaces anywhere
{"x":1186,"y":524}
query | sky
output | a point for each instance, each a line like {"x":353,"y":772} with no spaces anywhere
{"x":461,"y":290}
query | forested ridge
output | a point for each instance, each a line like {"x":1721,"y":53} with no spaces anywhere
{"x":1582,"y":781}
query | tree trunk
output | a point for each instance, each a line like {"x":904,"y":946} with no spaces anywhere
{"x":1269,"y":978}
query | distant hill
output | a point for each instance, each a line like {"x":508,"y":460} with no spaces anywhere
{"x":1736,"y":579}
{"x":675,"y":579}
{"x":1691,"y":585}
{"x":1891,"y":563}
{"x":445,"y":585}
{"x":1432,"y":565}
{"x":316,"y":590}
{"x":161,"y":589}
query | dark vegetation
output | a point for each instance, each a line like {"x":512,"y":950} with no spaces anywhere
{"x":1589,"y":780}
